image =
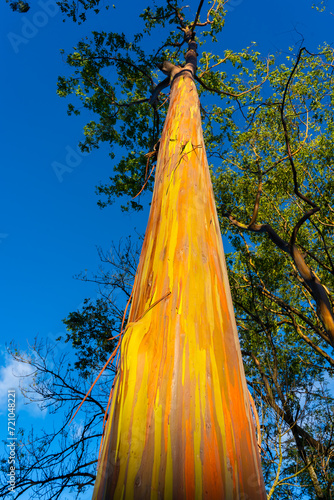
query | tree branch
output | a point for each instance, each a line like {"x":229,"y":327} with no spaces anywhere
{"x":286,"y":416}
{"x":315,"y":208}
{"x":222,"y":92}
{"x":317,"y":290}
{"x":162,"y":85}
{"x":197,"y":16}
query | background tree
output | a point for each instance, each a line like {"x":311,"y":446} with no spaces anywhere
{"x":63,"y":459}
{"x":281,"y":174}
{"x":286,"y":344}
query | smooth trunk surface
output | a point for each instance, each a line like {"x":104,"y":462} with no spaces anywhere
{"x":180,"y":424}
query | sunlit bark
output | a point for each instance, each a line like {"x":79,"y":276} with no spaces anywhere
{"x":180,"y":424}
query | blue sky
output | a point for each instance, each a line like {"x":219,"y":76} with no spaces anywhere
{"x":50,"y":225}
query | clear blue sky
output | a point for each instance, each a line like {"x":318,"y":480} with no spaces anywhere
{"x":49,"y":229}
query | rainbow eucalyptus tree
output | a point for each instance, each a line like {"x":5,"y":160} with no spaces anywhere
{"x":284,"y":310}
{"x":180,"y":423}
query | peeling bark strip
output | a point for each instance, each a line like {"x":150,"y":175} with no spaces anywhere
{"x":180,"y":424}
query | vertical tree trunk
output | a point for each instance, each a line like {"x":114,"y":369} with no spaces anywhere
{"x":180,"y":425}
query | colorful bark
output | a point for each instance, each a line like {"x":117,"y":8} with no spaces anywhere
{"x":180,"y":423}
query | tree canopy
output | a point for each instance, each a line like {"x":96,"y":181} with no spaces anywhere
{"x":268,"y":130}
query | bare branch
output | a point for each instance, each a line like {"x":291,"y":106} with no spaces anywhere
{"x":196,"y":18}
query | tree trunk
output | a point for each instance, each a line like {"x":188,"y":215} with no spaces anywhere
{"x":180,"y":424}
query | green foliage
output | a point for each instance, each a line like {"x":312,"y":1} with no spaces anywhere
{"x":20,"y":6}
{"x":121,"y":124}
{"x":75,"y":9}
{"x":320,"y":5}
{"x":90,"y":332}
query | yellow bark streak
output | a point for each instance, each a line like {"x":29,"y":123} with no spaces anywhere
{"x":180,"y":425}
{"x":169,"y":471}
